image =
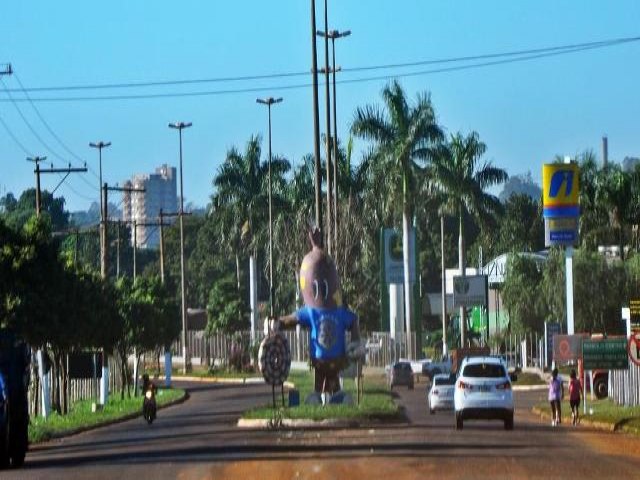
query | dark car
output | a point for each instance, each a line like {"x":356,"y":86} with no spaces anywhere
{"x":401,"y":374}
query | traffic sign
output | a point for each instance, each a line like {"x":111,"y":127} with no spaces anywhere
{"x":634,"y":310}
{"x":567,"y":348}
{"x":633,"y":348}
{"x":607,"y":354}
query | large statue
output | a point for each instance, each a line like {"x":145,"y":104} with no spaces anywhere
{"x":328,"y":319}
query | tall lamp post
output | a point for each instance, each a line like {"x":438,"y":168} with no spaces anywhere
{"x":332,"y":35}
{"x":100,"y":145}
{"x":268,"y":102}
{"x":180,"y":126}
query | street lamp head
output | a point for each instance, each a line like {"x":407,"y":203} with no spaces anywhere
{"x":180,"y":125}
{"x":268,"y":100}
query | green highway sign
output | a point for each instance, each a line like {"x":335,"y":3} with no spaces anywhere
{"x":606,"y":354}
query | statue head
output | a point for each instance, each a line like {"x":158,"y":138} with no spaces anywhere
{"x":319,"y":281}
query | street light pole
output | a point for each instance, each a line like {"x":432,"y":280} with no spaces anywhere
{"x":100,"y":145}
{"x":316,"y":119}
{"x":328,"y":132}
{"x":333,"y":34}
{"x":180,"y":126}
{"x":268,"y":102}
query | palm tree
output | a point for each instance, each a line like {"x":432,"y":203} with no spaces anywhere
{"x":241,"y":189}
{"x":401,"y":134}
{"x":462,"y":181}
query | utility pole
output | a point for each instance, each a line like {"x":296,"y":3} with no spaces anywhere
{"x":105,"y":215}
{"x":181,"y":126}
{"x":37,"y":161}
{"x":118,"y":249}
{"x":135,"y":248}
{"x":161,"y":225}
{"x":103,"y":219}
{"x":328,"y":131}
{"x":316,"y":119}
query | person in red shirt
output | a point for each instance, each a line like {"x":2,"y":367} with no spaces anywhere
{"x":575,"y":392}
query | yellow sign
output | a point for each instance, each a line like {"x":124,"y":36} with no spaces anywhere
{"x":560,"y":190}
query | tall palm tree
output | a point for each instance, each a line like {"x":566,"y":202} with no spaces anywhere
{"x":456,"y":171}
{"x":401,"y":134}
{"x":241,"y":188}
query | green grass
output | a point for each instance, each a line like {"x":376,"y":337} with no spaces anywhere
{"x":525,"y":378}
{"x":376,"y":403}
{"x":202,"y":372}
{"x":604,"y":411}
{"x":81,"y":416}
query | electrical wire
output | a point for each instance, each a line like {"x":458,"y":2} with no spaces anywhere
{"x":15,"y":139}
{"x":307,"y":85}
{"x":594,"y":44}
{"x":44,"y":122}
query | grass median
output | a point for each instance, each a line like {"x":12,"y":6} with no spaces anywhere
{"x":376,"y":403}
{"x":80,"y":415}
{"x":603,"y":412}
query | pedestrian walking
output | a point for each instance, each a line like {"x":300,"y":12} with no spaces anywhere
{"x":575,"y":393}
{"x":556,"y":394}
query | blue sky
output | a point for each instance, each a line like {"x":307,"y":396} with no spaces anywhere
{"x":525,"y":112}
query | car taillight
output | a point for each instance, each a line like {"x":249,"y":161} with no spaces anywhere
{"x":504,"y":386}
{"x":464,"y":386}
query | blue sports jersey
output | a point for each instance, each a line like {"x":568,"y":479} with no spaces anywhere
{"x":328,"y":326}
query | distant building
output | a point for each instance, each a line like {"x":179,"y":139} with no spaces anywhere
{"x":144,"y":207}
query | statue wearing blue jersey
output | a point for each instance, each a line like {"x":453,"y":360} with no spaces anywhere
{"x":326,"y":317}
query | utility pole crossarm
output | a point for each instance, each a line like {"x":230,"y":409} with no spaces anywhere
{"x":125,"y":189}
{"x":6,"y":70}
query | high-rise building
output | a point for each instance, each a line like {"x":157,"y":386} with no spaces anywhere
{"x":144,"y":207}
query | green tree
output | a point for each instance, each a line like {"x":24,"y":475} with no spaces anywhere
{"x":521,"y":294}
{"x":462,"y":180}
{"x":226,"y":311}
{"x":402,"y":134}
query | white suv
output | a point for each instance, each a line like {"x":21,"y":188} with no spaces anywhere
{"x":483,"y":391}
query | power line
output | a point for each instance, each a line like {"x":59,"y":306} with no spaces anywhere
{"x":549,"y":53}
{"x":35,"y":134}
{"x":269,"y":76}
{"x":44,"y":122}
{"x":15,"y":139}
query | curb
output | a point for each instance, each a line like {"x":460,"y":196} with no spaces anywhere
{"x":230,"y":381}
{"x":106,"y":423}
{"x":609,"y":427}
{"x":298,"y":423}
{"x":529,"y":388}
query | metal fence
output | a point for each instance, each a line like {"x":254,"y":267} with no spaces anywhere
{"x":624,"y":386}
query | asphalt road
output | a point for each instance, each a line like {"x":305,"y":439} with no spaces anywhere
{"x":199,"y":439}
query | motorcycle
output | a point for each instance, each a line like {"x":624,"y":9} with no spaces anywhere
{"x":149,"y":405}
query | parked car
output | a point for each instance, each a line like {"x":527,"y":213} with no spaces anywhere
{"x":440,"y":392}
{"x":483,"y":391}
{"x":401,"y":374}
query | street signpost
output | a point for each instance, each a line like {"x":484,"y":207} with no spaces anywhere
{"x":470,"y":291}
{"x":606,"y":354}
{"x":567,"y":348}
{"x":634,"y":310}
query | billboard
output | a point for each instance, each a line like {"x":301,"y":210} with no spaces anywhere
{"x":393,"y":263}
{"x":607,"y":354}
{"x":561,"y":203}
{"x":470,"y":291}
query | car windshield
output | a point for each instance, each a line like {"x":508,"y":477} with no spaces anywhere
{"x":444,"y":381}
{"x":402,"y":366}
{"x":483,"y":370}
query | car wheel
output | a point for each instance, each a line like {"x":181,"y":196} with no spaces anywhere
{"x":508,"y":422}
{"x":601,"y":388}
{"x":459,"y":421}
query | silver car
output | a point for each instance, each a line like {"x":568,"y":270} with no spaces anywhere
{"x":440,"y":393}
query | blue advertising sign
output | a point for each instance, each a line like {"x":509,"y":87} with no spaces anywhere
{"x":550,"y":329}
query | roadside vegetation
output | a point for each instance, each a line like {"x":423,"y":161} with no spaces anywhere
{"x":80,"y":415}
{"x":376,"y":404}
{"x":603,"y":411}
